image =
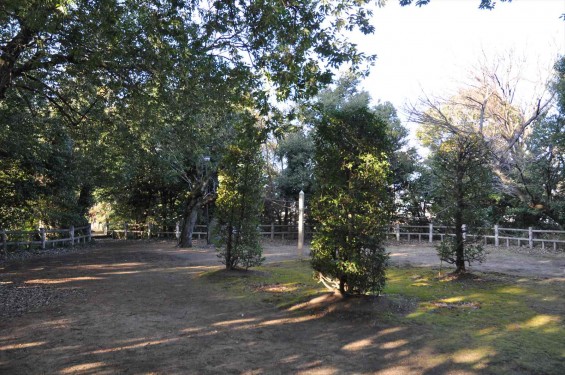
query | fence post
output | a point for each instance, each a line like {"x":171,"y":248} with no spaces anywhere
{"x":496,"y":235}
{"x":272,"y":231}
{"x":149,"y":225}
{"x":89,"y":232}
{"x":464,"y":228}
{"x":42,"y":235}
{"x":300,"y":221}
{"x":531,"y":237}
{"x":397,"y":231}
{"x":125,"y":231}
{"x":5,"y":243}
{"x":106,"y":227}
{"x":431,"y":232}
{"x":177,"y":231}
{"x":72,"y":234}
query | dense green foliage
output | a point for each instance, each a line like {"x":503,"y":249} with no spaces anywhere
{"x":239,"y":203}
{"x":352,"y":203}
{"x":121,"y":100}
{"x":461,"y":188}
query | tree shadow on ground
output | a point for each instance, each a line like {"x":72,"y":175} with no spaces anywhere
{"x":142,"y":309}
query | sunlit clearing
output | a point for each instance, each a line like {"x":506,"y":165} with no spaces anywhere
{"x":325,"y":298}
{"x":358,"y":345}
{"x":452,"y":299}
{"x":135,"y":346}
{"x":82,"y":367}
{"x":278,"y":288}
{"x":191,"y":330}
{"x":22,"y":346}
{"x":104,"y":266}
{"x":553,"y":280}
{"x":393,"y":344}
{"x":62,"y":281}
{"x":288,"y":320}
{"x":540,"y":321}
{"x":57,"y":323}
{"x":234,"y":322}
{"x":120,"y":273}
{"x":320,"y":370}
{"x":486,"y":331}
{"x":388,"y":331}
{"x":253,"y":372}
{"x":512,"y":290}
{"x":290,"y":359}
{"x":472,"y":355}
{"x":315,"y":367}
{"x":415,"y":314}
{"x":420,"y":283}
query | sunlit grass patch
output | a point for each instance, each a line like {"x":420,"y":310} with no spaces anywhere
{"x":491,"y":322}
{"x":522,"y":319}
{"x":283,"y":284}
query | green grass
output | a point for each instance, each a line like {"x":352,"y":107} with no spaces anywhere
{"x":502,"y":323}
{"x":283,"y":284}
{"x":515,"y":323}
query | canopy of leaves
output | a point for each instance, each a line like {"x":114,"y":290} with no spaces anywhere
{"x":129,"y":96}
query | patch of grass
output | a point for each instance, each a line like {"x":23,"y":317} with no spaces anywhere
{"x":490,"y":321}
{"x":518,"y":321}
{"x":282,"y":284}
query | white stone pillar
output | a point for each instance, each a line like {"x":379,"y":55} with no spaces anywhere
{"x":301,"y":222}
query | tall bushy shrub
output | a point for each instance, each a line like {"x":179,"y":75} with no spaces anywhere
{"x":239,"y":203}
{"x":352,"y":204}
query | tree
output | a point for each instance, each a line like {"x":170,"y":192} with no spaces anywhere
{"x":239,"y":202}
{"x":404,"y":159}
{"x":540,"y":166}
{"x":125,"y":72}
{"x":352,"y":203}
{"x":460,"y":188}
{"x":489,"y":107}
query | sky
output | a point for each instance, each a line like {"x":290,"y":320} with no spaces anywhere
{"x":432,"y":48}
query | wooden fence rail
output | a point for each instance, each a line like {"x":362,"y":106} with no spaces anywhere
{"x":127,"y":231}
{"x":43,"y":238}
{"x":495,"y":236}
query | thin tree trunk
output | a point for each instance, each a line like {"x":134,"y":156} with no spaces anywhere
{"x":460,"y":246}
{"x":229,"y":264}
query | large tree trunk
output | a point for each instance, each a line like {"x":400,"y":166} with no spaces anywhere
{"x":9,"y":57}
{"x":84,"y":201}
{"x":188,"y":224}
{"x":342,"y":290}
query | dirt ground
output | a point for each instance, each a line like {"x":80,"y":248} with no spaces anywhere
{"x":141,"y":308}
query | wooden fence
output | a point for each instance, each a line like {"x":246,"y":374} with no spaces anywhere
{"x":136,"y":231}
{"x":496,"y":236}
{"x":43,"y":238}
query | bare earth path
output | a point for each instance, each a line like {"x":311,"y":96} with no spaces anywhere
{"x":513,"y":261}
{"x":140,"y":308}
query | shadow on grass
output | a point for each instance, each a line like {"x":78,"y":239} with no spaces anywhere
{"x":145,"y":310}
